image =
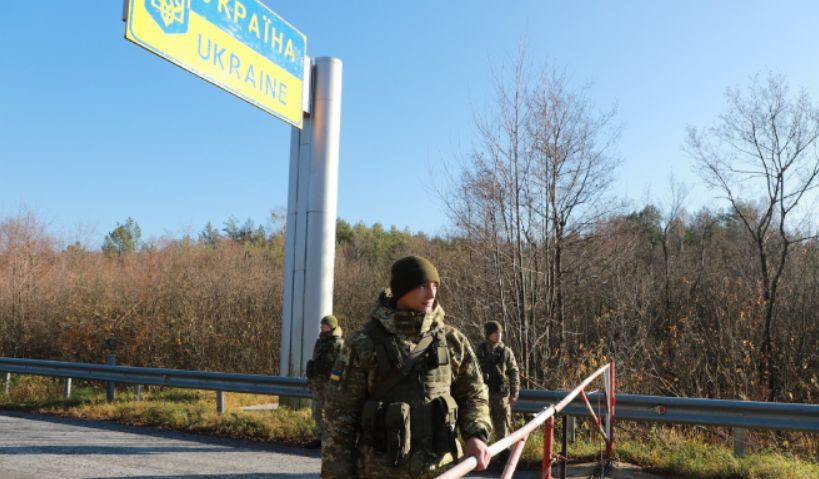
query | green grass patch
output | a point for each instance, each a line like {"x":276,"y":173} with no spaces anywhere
{"x":165,"y":408}
{"x":668,"y":452}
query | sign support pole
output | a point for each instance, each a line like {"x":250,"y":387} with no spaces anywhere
{"x":311,"y":220}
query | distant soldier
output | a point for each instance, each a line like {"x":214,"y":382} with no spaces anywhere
{"x":325,"y":352}
{"x":402,"y":386}
{"x":500,"y":372}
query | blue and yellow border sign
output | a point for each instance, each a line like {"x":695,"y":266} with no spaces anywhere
{"x":239,"y":45}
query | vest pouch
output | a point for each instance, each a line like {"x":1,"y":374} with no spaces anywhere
{"x":397,"y":427}
{"x":498,"y":381}
{"x":446,"y":419}
{"x":442,"y":355}
{"x":321,"y":361}
{"x":494,"y":382}
{"x":372,"y":424}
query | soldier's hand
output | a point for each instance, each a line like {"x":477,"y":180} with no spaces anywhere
{"x":477,"y":448}
{"x":513,"y":401}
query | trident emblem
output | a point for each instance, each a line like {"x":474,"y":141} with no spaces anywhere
{"x":170,"y":15}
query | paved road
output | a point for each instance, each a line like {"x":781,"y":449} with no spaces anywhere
{"x":45,"y":447}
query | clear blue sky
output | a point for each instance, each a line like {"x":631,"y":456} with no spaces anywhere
{"x":94,"y":129}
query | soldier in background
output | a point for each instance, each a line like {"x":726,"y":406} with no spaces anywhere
{"x":402,"y":386}
{"x":325,"y":352}
{"x":501,"y":374}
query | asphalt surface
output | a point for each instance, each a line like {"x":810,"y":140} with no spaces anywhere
{"x":44,"y":447}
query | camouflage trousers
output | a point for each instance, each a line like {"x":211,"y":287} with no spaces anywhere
{"x":501,"y":414}
{"x":317,"y":408}
{"x":420,"y":465}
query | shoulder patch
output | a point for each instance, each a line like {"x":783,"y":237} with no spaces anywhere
{"x":340,"y":364}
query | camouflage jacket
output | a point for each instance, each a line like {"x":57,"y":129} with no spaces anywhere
{"x":354,"y":380}
{"x":500,"y":370}
{"x":325,"y":352}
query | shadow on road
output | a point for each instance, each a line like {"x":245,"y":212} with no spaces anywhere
{"x":154,"y":432}
{"x":276,"y":475}
{"x":124,"y":450}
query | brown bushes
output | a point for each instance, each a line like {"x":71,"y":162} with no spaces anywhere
{"x":686,"y":323}
{"x":182,"y":305}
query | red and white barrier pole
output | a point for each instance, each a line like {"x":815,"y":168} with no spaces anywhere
{"x":548,"y":439}
{"x":610,"y":404}
{"x":514,"y":457}
{"x":547,"y":414}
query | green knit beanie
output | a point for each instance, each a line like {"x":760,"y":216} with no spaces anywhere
{"x":492,"y":327}
{"x":410,"y":272}
{"x":330,"y":320}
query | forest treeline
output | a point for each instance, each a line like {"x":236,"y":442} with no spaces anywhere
{"x":671,"y":300}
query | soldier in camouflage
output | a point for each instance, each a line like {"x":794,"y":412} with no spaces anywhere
{"x":403,"y":387}
{"x":501,"y":374}
{"x":325,"y":353}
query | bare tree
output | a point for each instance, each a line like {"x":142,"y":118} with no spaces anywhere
{"x":574,"y":163}
{"x":490,"y":204}
{"x":763,"y":148}
{"x":671,"y":220}
{"x":535,"y":180}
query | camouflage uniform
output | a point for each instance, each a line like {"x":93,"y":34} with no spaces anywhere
{"x":325,"y":353}
{"x":501,"y":374}
{"x":361,"y":443}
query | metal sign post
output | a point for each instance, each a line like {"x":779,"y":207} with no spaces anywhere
{"x":311,"y":220}
{"x":248,"y":50}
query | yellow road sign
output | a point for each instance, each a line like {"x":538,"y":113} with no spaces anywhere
{"x":239,"y":45}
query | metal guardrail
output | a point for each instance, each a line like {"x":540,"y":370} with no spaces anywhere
{"x":682,"y":410}
{"x":715,"y":412}
{"x":178,"y":378}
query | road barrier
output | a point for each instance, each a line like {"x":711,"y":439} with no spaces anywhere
{"x":517,"y":439}
{"x":739,"y":415}
{"x":683,"y":410}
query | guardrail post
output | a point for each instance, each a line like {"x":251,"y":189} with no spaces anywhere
{"x":739,"y":441}
{"x":67,"y":388}
{"x":548,"y":438}
{"x":8,"y":381}
{"x":571,"y":429}
{"x":220,"y":402}
{"x":112,"y":361}
{"x":138,"y":392}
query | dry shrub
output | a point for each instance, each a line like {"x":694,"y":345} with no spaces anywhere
{"x":183,"y":305}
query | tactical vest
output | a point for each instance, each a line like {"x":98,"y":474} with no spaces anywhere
{"x":322,"y":363}
{"x":411,"y":408}
{"x":493,"y":367}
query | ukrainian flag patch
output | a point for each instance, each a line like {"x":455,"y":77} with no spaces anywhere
{"x":335,"y":375}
